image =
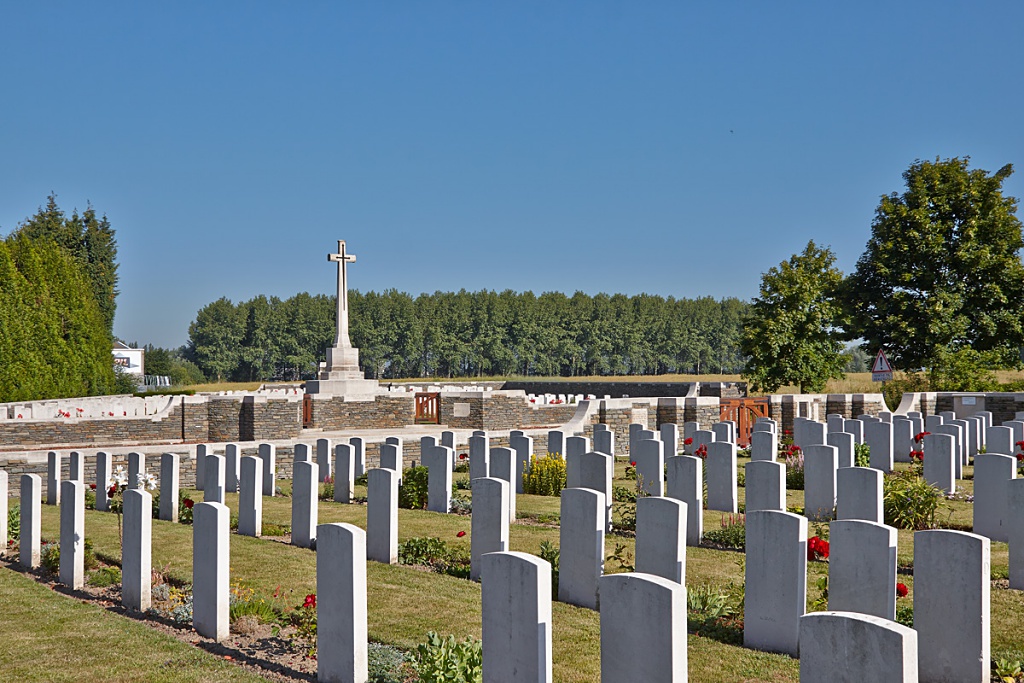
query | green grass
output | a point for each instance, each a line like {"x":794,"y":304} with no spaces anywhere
{"x":405,"y":603}
{"x":51,"y":637}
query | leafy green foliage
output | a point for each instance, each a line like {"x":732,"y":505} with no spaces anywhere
{"x":14,"y":521}
{"x":909,"y":502}
{"x":861,"y":455}
{"x":790,"y":335}
{"x":941,"y":271}
{"x":412,"y":494}
{"x":546,"y":476}
{"x":550,"y":553}
{"x":445,"y":660}
{"x":732,"y":533}
{"x":104,"y":576}
{"x":453,"y":560}
{"x":387,"y":664}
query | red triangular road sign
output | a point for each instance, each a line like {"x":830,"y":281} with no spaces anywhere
{"x":881,"y":363}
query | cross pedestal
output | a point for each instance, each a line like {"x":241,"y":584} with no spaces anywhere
{"x":342,"y":376}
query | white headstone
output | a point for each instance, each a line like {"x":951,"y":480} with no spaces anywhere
{"x":503,"y":467}
{"x":202,"y":450}
{"x":136,"y":550}
{"x":342,"y":645}
{"x":323,"y":459}
{"x":999,"y":440}
{"x":523,"y":446}
{"x":992,"y":476}
{"x":940,"y":461}
{"x":669,"y":434}
{"x":721,"y":477}
{"x":685,"y":482}
{"x":104,"y":477}
{"x":250,"y":497}
{"x":843,"y":442}
{"x":213,"y":491}
{"x":855,"y":427}
{"x":54,"y":462}
{"x":764,"y":446}
{"x":643,"y":629}
{"x":1016,"y":511}
{"x":489,"y":521}
{"x":168,"y":487}
{"x":765,"y":485}
{"x":834,"y":647}
{"x":31,"y":509}
{"x":581,"y":546}
{"x":556,"y":442}
{"x":862,"y":568}
{"x":604,"y":442}
{"x":344,"y":473}
{"x":359,"y":445}
{"x":515,"y":597}
{"x":268,"y":459}
{"x":480,"y":457}
{"x":859,"y":494}
{"x":878,"y":437}
{"x":72,"y":533}
{"x":650,"y":464}
{"x":661,"y":538}
{"x":438,"y":461}
{"x":211,"y":557}
{"x":382,"y":516}
{"x":820,"y":466}
{"x":232,"y":453}
{"x":305,"y":497}
{"x":776,"y":581}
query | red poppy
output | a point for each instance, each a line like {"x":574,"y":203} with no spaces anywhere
{"x":687,"y":442}
{"x":310,"y":600}
{"x":189,"y":503}
{"x":901,"y":590}
{"x":632,"y":463}
{"x":92,"y":486}
{"x":462,"y":456}
{"x":461,"y":534}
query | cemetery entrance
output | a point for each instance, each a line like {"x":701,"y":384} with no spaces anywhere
{"x":428,"y":408}
{"x":744,"y":412}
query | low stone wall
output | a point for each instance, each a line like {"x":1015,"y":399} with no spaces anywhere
{"x":387,"y":411}
{"x":630,"y":389}
{"x":501,"y":410}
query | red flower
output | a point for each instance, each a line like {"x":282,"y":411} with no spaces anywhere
{"x":310,"y":600}
{"x":794,"y":449}
{"x":111,"y":413}
{"x":920,"y":437}
{"x":702,"y":451}
{"x":92,"y":486}
{"x":817,"y":549}
{"x":1020,"y":457}
{"x":462,"y":456}
{"x":188,"y":503}
{"x":632,"y":463}
{"x":461,"y":534}
{"x":81,"y":410}
{"x":787,"y":432}
{"x":901,"y":590}
{"x":112,"y":491}
{"x":19,"y":416}
{"x":687,"y":442}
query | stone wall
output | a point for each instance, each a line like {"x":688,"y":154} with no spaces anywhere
{"x":166,"y":426}
{"x":500,"y":410}
{"x":387,"y":411}
{"x":630,"y":389}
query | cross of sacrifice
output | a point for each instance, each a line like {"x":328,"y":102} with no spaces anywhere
{"x":341,"y":338}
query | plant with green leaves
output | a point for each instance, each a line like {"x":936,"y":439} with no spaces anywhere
{"x":550,"y":553}
{"x":446,"y":660}
{"x":790,"y":334}
{"x":909,"y":502}
{"x":14,"y":522}
{"x":861,"y":455}
{"x":546,"y":476}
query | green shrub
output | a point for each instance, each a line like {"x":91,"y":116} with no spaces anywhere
{"x":184,"y":508}
{"x":14,"y":521}
{"x":909,"y":501}
{"x":708,"y":602}
{"x":436,"y":554}
{"x":905,"y":614}
{"x":412,"y":494}
{"x":549,"y":552}
{"x":327,"y":489}
{"x":795,"y":472}
{"x":861,"y":455}
{"x":104,"y":576}
{"x":546,"y":476}
{"x":258,"y":607}
{"x":445,"y":660}
{"x":271,"y":529}
{"x":908,"y":383}
{"x":623,"y":494}
{"x":732,"y":534}
{"x":387,"y":664}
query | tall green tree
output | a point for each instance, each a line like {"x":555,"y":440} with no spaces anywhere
{"x":942,"y":271}
{"x":90,"y":240}
{"x":790,"y":334}
{"x":215,"y":337}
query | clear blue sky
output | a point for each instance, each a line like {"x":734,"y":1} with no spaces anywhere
{"x":672,"y":148}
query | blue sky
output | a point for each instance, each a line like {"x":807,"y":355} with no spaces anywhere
{"x":671,"y":148}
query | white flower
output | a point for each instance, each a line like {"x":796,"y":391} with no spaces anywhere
{"x":150,"y":482}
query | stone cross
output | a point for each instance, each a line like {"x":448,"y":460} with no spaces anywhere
{"x":342,"y":258}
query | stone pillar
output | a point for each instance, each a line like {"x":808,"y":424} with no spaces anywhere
{"x":213,"y":491}
{"x":232,"y":452}
{"x":939,"y":464}
{"x":136,"y":470}
{"x":211,"y":557}
{"x":31,"y":531}
{"x":359,"y":450}
{"x":765,"y":485}
{"x":323,"y":459}
{"x":834,"y":647}
{"x":721,"y":464}
{"x":643,"y":629}
{"x":169,"y":487}
{"x":604,"y":442}
{"x":342,"y":645}
{"x":661,"y":538}
{"x":764,"y":446}
{"x":1016,"y":507}
{"x":202,"y":450}
{"x":862,"y":568}
{"x":104,"y":476}
{"x":843,"y":443}
{"x":685,"y":482}
{"x":489,"y":521}
{"x":76,"y":469}
{"x":250,"y":497}
{"x":54,"y":461}
{"x":382,"y":515}
{"x":859,"y":494}
{"x":502,"y":464}
{"x":438,"y":461}
{"x":136,"y":550}
{"x":992,"y":476}
{"x":649,"y":457}
{"x":268,"y":455}
{"x":776,"y":581}
{"x":345,"y":473}
{"x":523,"y":446}
{"x":479,"y":457}
{"x":515,"y":596}
{"x":951,"y":605}
{"x":72,"y":534}
{"x":305,"y":496}
{"x":820,"y":465}
{"x":581,"y":545}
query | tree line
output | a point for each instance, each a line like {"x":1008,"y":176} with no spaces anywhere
{"x":464,"y":334}
{"x":58,"y":278}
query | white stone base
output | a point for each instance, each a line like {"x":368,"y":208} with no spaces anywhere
{"x":349,"y":388}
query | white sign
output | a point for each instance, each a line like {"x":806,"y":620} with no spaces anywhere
{"x":881,"y":371}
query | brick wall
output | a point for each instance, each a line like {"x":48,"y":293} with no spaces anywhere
{"x":384,"y":412}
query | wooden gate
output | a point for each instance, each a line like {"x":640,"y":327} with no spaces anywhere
{"x":307,"y":410}
{"x":744,"y":412}
{"x":428,"y":408}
